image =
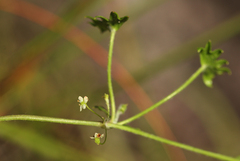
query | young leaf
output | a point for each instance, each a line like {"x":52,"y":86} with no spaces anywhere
{"x":100,"y":108}
{"x":213,"y":67}
{"x":100,"y":22}
{"x":121,"y":110}
{"x":105,"y":24}
{"x":115,"y":21}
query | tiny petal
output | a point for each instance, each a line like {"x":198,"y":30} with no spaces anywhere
{"x":92,"y":137}
{"x":84,"y":106}
{"x":85,"y":99}
{"x":96,"y":134}
{"x":80,"y":99}
{"x":81,"y":108}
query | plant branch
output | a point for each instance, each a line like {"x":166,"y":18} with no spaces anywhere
{"x":173,"y":143}
{"x":183,"y":86}
{"x":94,"y":112}
{"x":105,"y":137}
{"x":113,"y":107}
{"x":49,"y":119}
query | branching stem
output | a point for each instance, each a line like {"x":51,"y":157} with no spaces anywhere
{"x":95,"y":112}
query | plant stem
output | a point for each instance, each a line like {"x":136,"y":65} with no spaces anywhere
{"x":110,"y":53}
{"x":169,"y":142}
{"x":105,"y":137}
{"x":95,"y":113}
{"x":49,"y":119}
{"x":183,"y":86}
{"x":117,"y":126}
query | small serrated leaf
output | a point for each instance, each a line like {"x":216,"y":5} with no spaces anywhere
{"x":115,"y":21}
{"x":213,"y":67}
{"x":100,"y":22}
{"x":105,"y":24}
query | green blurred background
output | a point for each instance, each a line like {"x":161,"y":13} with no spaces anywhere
{"x":50,"y":55}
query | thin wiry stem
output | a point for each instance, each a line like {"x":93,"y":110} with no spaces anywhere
{"x":183,"y":86}
{"x":49,"y":119}
{"x":94,"y":112}
{"x":173,"y":143}
{"x":111,"y":94}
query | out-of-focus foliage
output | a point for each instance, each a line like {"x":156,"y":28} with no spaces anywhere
{"x":50,"y":55}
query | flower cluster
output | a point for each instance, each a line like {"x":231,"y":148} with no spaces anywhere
{"x":97,"y":137}
{"x":82,"y":102}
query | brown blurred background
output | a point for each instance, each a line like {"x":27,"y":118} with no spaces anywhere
{"x":50,"y":55}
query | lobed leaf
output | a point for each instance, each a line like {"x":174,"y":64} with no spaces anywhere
{"x":213,"y":67}
{"x":105,"y":24}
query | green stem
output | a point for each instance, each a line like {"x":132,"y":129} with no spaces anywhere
{"x":169,"y":142}
{"x":183,"y":86}
{"x":111,"y":125}
{"x":110,"y":53}
{"x":49,"y":119}
{"x":105,"y":137}
{"x":95,"y":113}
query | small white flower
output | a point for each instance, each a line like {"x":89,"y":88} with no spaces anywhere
{"x":97,"y":135}
{"x":82,"y":102}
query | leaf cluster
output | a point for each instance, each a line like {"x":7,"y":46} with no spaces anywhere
{"x":213,"y":66}
{"x":104,"y":24}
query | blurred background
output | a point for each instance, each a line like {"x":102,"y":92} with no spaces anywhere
{"x":50,"y":55}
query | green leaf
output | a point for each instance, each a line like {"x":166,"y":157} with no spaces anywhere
{"x":115,"y":21}
{"x":101,"y":108}
{"x":213,"y":67}
{"x":104,"y":24}
{"x":121,"y":110}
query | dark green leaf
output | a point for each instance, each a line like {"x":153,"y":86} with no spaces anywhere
{"x":104,"y":24}
{"x":100,"y":22}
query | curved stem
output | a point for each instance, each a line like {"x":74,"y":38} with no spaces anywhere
{"x":169,"y":142}
{"x":49,"y":119}
{"x":110,"y":53}
{"x":94,"y":112}
{"x":105,"y":137}
{"x":183,"y":86}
